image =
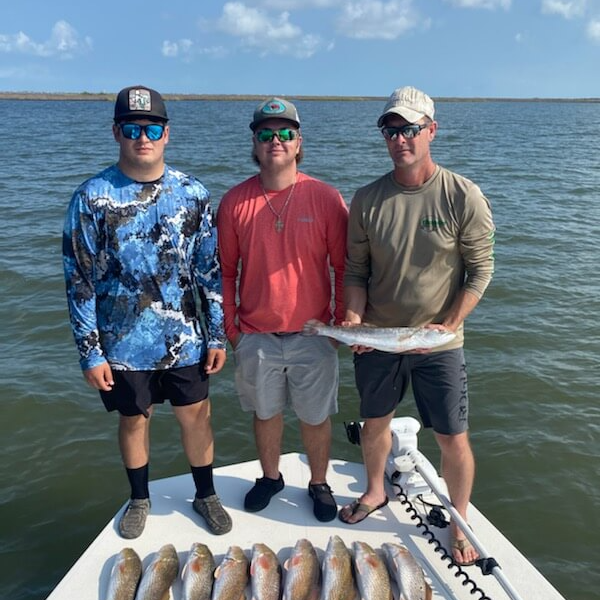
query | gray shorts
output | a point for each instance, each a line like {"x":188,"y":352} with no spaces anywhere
{"x":439,"y":384}
{"x":274,"y":370}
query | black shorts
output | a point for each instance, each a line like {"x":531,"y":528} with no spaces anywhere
{"x":135,"y":391}
{"x":439,"y":384}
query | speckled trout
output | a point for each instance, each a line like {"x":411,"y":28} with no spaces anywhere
{"x":386,"y":339}
{"x":159,"y":575}
{"x":125,"y":575}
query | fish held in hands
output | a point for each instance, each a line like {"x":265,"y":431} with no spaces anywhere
{"x":386,"y":339}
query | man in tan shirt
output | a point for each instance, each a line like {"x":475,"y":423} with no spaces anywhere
{"x":420,"y":253}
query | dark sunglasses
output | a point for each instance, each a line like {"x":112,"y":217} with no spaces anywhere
{"x":408,"y":132}
{"x":133,"y":131}
{"x":283,"y":135}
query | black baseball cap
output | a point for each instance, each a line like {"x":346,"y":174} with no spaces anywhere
{"x":139,"y":102}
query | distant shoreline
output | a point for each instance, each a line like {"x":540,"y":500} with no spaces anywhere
{"x":229,"y":97}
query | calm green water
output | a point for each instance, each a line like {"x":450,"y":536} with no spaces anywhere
{"x":533,"y":344}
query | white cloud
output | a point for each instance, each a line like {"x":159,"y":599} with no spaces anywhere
{"x":373,"y":19}
{"x":185,"y":50}
{"x":489,"y":4}
{"x":170,"y":49}
{"x":183,"y":47}
{"x":268,"y":34}
{"x":300,"y":4}
{"x":593,"y":30}
{"x":64,"y":42}
{"x":566,"y":9}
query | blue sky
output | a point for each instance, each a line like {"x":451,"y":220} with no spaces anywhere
{"x":465,"y":48}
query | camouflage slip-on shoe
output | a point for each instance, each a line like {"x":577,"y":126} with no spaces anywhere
{"x":133,"y":520}
{"x":216,"y":517}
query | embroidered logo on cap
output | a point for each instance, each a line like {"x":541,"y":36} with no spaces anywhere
{"x":140,"y":100}
{"x":273,"y":108}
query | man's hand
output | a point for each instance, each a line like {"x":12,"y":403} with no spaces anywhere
{"x":215,"y":360}
{"x":234,"y":340}
{"x":100,"y":377}
{"x":358,"y":349}
{"x":437,"y":326}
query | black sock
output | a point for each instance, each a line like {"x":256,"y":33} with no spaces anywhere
{"x":138,"y":480}
{"x":203,"y":478}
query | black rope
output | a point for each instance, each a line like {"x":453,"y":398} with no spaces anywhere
{"x":434,"y":517}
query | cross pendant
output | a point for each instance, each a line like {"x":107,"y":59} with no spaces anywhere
{"x":278,"y":225}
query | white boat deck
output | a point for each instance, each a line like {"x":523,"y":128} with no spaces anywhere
{"x":288,"y":518}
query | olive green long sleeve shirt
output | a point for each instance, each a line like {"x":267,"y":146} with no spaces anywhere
{"x":415,"y":249}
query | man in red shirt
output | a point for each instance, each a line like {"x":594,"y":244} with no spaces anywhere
{"x":288,"y":230}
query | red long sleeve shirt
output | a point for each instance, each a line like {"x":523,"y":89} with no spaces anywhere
{"x":285,"y":277}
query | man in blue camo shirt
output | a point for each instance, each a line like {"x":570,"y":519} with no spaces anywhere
{"x":144,"y":293}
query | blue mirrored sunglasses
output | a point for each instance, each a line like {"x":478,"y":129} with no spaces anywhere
{"x":133,"y":131}
{"x":406,"y":131}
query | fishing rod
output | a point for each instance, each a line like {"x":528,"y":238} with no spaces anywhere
{"x":410,"y":471}
{"x":418,"y":459}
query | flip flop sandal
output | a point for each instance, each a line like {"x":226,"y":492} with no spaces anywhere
{"x":461,"y":546}
{"x":359,"y":507}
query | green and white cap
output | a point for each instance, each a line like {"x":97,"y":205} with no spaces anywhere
{"x":275,"y":108}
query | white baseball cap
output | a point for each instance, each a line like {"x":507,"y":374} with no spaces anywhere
{"x":410,"y":103}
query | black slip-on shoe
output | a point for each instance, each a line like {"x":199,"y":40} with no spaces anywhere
{"x":261,"y":493}
{"x":325,"y":508}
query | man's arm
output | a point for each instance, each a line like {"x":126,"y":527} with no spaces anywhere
{"x":229,"y":256}
{"x":358,"y":266}
{"x":79,"y":262}
{"x":337,"y":254}
{"x":461,"y":308}
{"x":207,"y":273}
{"x":477,"y":239}
{"x":356,"y":302}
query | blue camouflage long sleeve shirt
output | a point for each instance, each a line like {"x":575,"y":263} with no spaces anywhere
{"x":142,"y":272}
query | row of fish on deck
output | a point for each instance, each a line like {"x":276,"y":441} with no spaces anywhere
{"x":342,"y":575}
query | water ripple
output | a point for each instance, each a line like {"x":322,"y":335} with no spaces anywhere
{"x":533,"y":344}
